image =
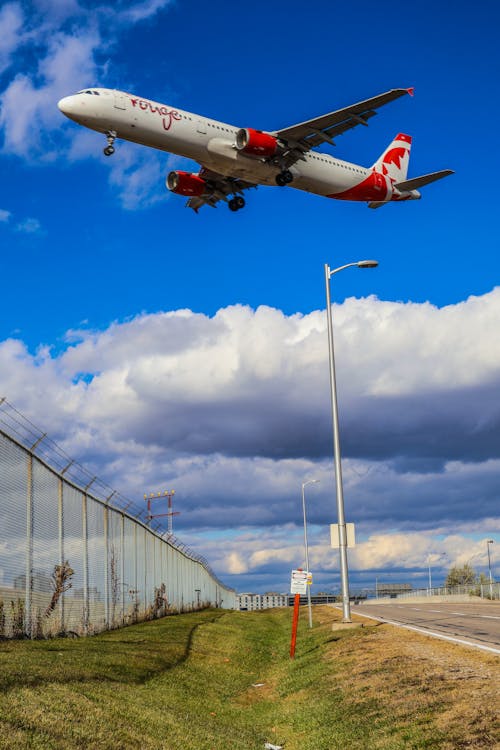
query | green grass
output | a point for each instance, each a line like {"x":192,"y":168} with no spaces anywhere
{"x":188,"y":682}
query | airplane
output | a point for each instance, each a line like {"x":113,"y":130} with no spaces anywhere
{"x":235,"y":159}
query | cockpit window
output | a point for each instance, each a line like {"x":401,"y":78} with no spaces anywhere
{"x":88,"y":91}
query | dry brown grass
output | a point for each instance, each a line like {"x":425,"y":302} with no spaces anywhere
{"x":406,"y":674}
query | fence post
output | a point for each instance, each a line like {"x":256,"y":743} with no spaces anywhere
{"x":153,"y":539}
{"x":85,"y":533}
{"x":61,"y":540}
{"x":145,"y":572}
{"x":28,"y":599}
{"x":122,"y":565}
{"x":106,"y":568}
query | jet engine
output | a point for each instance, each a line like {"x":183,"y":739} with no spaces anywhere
{"x":186,"y":183}
{"x":255,"y":142}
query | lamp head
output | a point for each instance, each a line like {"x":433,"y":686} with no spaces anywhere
{"x":367,"y":263}
{"x":310,"y":481}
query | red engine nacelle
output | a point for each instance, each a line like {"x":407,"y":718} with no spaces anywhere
{"x":256,"y":143}
{"x":186,"y":183}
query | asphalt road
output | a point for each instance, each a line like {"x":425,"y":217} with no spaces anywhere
{"x":474,"y":622}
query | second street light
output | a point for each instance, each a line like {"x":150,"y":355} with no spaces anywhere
{"x":306,"y":547}
{"x":488,"y":542}
{"x":344,"y":575}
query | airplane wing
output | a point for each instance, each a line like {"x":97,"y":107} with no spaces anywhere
{"x":306,"y":135}
{"x":220,"y":188}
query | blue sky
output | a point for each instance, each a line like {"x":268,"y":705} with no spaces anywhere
{"x":94,"y":250}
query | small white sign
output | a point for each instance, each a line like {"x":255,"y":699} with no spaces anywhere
{"x":298,"y":583}
{"x":334,"y":535}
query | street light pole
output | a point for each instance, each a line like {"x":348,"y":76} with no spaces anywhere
{"x":344,"y":574}
{"x":429,"y":558}
{"x":306,"y":547}
{"x":488,"y":542}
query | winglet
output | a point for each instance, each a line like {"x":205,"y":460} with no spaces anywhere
{"x":411,"y":91}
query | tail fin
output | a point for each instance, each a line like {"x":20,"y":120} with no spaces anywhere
{"x":395,"y":159}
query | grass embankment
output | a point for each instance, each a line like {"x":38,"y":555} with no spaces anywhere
{"x":192,"y":682}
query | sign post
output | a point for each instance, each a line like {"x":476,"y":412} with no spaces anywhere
{"x":298,"y":586}
{"x":296,"y":605}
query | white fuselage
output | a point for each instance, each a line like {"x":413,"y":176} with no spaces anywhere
{"x":212,"y":144}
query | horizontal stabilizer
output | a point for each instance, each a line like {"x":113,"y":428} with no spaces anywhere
{"x":425,"y":179}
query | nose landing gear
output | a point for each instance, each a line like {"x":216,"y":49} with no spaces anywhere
{"x":110,"y":136}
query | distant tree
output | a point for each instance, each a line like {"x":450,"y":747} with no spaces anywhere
{"x":461,"y":576}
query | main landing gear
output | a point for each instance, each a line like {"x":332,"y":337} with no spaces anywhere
{"x":284,"y":178}
{"x":236,"y":203}
{"x":110,"y":136}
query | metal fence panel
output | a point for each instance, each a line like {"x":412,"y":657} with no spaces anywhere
{"x":97,"y":578}
{"x":71,"y":560}
{"x":73,"y":553}
{"x":44,"y":600}
{"x":13,"y":547}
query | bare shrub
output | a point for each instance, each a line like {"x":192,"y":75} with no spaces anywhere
{"x":17,"y":614}
{"x":61,"y":582}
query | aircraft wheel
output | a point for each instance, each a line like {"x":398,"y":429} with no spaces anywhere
{"x":109,"y":150}
{"x":233,"y":205}
{"x":280,"y":180}
{"x":287,"y":176}
{"x":239,"y":201}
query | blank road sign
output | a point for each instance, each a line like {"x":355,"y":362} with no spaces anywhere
{"x":334,"y":535}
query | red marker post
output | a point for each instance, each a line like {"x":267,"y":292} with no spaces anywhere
{"x":295,"y":622}
{"x":298,"y":586}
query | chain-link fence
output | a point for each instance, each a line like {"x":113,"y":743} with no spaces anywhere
{"x":75,"y":556}
{"x":485,"y":590}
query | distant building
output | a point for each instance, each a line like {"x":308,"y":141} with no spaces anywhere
{"x":392,"y":589}
{"x":40,"y":581}
{"x":262,"y":601}
{"x":94,"y":594}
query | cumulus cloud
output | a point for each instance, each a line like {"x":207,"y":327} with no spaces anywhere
{"x":4,"y":216}
{"x":11,"y":27}
{"x":233,"y":411}
{"x":432,"y":403}
{"x":62,"y":46}
{"x":268,"y":557}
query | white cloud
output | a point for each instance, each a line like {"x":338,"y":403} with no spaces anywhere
{"x":58,"y":10}
{"x":234,"y":410}
{"x":255,"y":382}
{"x":142,"y":11}
{"x":29,"y":226}
{"x":64,"y":61}
{"x":138,"y":176}
{"x":11,"y":27}
{"x":272,"y":552}
{"x":234,"y":564}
